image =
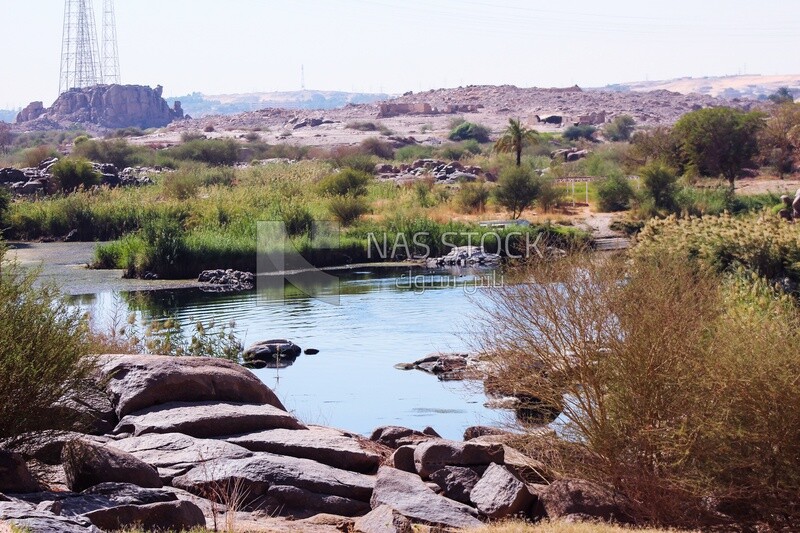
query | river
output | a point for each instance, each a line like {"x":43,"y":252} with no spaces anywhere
{"x":382,"y":317}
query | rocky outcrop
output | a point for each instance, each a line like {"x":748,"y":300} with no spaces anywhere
{"x":229,"y":280}
{"x":141,"y":381}
{"x":109,"y":106}
{"x":32,"y":111}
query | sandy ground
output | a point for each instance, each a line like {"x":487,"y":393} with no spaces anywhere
{"x":789,"y":186}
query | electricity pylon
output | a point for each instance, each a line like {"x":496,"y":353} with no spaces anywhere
{"x":110,"y":51}
{"x":80,"y":59}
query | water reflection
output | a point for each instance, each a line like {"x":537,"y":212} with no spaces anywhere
{"x":351,"y":383}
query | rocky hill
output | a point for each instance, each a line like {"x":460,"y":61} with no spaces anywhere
{"x":746,"y":86}
{"x":199,"y":105}
{"x":108,"y":106}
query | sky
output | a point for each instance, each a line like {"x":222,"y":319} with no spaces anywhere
{"x":393,"y":46}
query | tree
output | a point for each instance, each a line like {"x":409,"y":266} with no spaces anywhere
{"x":718,"y":141}
{"x":621,"y":128}
{"x":516,"y":190}
{"x":468,"y":130}
{"x":515,"y":138}
{"x":5,"y":136}
{"x":782,"y":96}
{"x":659,"y":181}
{"x":780,"y":139}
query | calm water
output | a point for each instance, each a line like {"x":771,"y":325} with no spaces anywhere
{"x":352,"y":383}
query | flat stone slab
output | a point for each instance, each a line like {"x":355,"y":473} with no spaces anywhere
{"x":263,"y":470}
{"x":325,"y":445}
{"x":174,"y":454}
{"x":207,"y":419}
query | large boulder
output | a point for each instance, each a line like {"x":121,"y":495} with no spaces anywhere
{"x":403,"y":459}
{"x":28,"y":518}
{"x":499,"y":494}
{"x":433,"y":455}
{"x":305,"y":501}
{"x":207,"y":419}
{"x":15,"y":478}
{"x":410,"y":496}
{"x":176,"y":515}
{"x":257,"y":473}
{"x":102,"y":496}
{"x":456,"y":482}
{"x":174,"y":454}
{"x":141,"y":381}
{"x":580,"y":497}
{"x":325,"y":445}
{"x":396,"y":436}
{"x":383,"y":519}
{"x":87,"y":464}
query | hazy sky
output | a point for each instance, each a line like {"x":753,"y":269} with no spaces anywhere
{"x":227,"y":46}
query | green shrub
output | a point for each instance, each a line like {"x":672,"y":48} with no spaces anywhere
{"x":362,"y":126}
{"x":166,"y":248}
{"x":347,"y":209}
{"x":361,"y":162}
{"x":209,"y":151}
{"x":469,"y":130}
{"x":71,"y":174}
{"x":345,"y":182}
{"x":614,"y":194}
{"x":550,"y":194}
{"x":118,"y":152}
{"x":5,"y":201}
{"x":297,"y":220}
{"x":413,"y":152}
{"x":759,"y":243}
{"x":620,"y":129}
{"x":185,"y":182}
{"x":660,"y":183}
{"x":472,"y":197}
{"x":31,"y":157}
{"x":573,"y":133}
{"x":516,"y":190}
{"x":44,"y":358}
{"x":377,"y":147}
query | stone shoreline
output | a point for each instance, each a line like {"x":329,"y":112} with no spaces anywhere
{"x":181,"y":442}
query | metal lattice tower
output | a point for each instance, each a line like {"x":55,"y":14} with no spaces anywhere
{"x":80,"y":59}
{"x":110,"y":51}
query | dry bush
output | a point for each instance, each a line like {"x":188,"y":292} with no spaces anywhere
{"x":677,"y":388}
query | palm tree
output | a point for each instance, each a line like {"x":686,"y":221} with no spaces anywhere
{"x":515,"y":138}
